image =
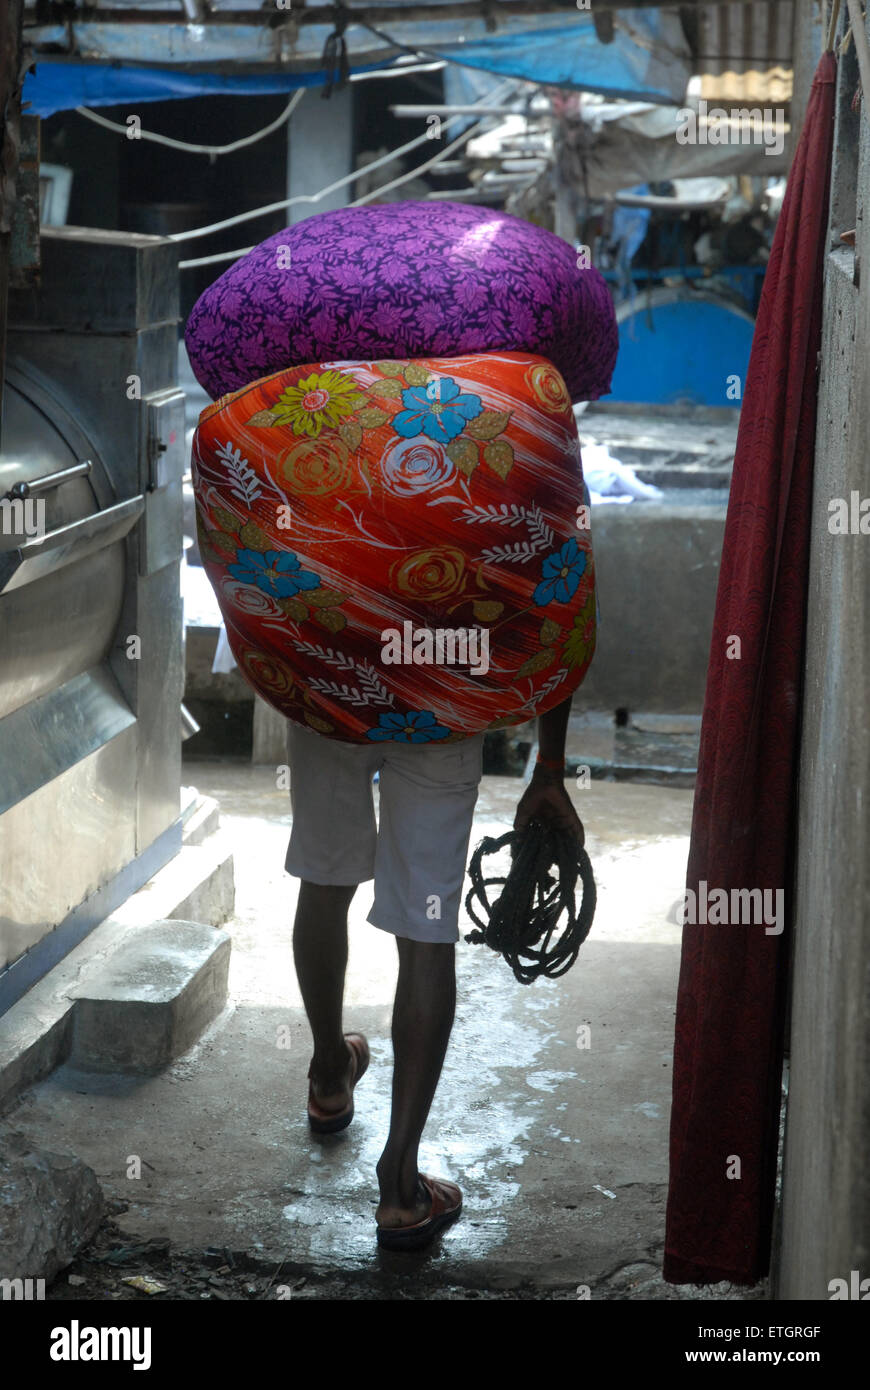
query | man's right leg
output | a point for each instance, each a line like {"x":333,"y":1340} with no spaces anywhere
{"x":427,"y":799}
{"x":320,"y":956}
{"x":422,"y":1019}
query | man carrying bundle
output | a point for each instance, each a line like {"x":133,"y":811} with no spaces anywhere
{"x":426,"y":494}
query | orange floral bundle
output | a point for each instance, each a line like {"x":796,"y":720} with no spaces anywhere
{"x":400,"y":549}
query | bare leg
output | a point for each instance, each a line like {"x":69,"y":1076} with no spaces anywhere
{"x":422,"y":1019}
{"x":320,"y":955}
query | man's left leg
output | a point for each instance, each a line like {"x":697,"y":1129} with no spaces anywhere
{"x":332,"y":850}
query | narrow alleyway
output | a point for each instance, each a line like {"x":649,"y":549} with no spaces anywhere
{"x":552,"y":1112}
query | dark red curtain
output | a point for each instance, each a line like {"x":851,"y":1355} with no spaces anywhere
{"x":730,"y":1004}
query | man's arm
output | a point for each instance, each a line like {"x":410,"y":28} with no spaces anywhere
{"x":552,"y":729}
{"x":545,"y":798}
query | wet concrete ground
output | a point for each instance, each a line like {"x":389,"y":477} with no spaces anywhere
{"x":560,"y":1147}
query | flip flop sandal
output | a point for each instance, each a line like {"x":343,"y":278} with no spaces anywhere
{"x":446,"y":1206}
{"x":330,"y":1122}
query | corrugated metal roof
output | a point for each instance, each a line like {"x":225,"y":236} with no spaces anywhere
{"x":745,"y":52}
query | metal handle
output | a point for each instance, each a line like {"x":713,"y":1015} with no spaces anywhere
{"x":45,"y":554}
{"x":50,"y":480}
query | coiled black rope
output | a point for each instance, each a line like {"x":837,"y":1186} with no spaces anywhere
{"x":523,"y":924}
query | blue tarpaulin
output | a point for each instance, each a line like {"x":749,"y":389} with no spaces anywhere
{"x":647,"y":60}
{"x":572,"y":57}
{"x":63,"y":86}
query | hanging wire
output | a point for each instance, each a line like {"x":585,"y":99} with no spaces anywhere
{"x":420,"y":169}
{"x":211,"y":150}
{"x":496,"y":95}
{"x":315,"y":197}
{"x":359,"y":202}
{"x":334,"y":60}
{"x":399,"y":69}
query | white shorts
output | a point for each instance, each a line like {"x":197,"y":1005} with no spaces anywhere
{"x":416,"y":855}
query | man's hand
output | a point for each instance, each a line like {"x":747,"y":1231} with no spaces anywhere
{"x":545,"y":799}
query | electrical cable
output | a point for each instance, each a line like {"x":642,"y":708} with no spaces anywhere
{"x":212,"y":150}
{"x":352,"y":177}
{"x":360,"y":202}
{"x":421,"y":168}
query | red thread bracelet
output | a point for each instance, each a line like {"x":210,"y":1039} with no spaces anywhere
{"x":554,"y":764}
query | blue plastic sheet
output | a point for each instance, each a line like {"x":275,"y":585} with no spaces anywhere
{"x":647,"y":60}
{"x":63,"y":86}
{"x":572,"y":57}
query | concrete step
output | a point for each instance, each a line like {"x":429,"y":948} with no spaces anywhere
{"x":151,"y":999}
{"x":201,"y":819}
{"x":672,"y":450}
{"x":699,"y":476}
{"x":197,"y":886}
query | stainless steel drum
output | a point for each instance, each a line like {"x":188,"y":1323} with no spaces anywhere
{"x":60,"y":599}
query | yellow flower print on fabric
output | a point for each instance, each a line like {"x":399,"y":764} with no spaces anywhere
{"x":320,"y":401}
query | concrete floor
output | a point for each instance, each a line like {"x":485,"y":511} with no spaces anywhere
{"x":561,"y":1150}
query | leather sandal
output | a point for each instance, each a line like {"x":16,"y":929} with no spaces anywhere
{"x":446,"y":1206}
{"x":330,"y":1122}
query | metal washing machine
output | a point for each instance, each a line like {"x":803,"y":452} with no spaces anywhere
{"x":91,"y":641}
